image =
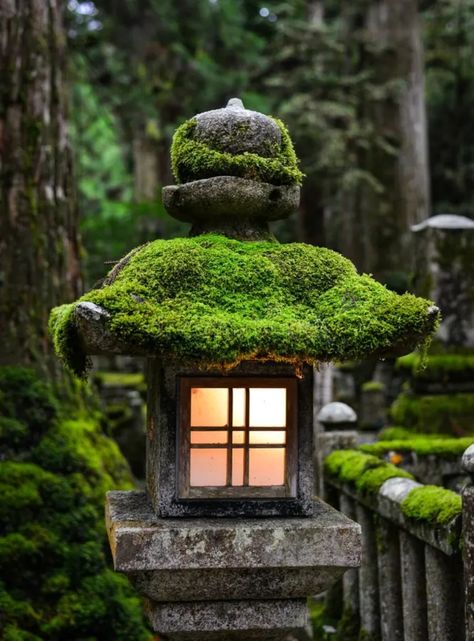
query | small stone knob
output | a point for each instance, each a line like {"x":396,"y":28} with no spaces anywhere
{"x":467,"y":460}
{"x":337,"y":415}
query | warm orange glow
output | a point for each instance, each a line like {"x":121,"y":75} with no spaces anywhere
{"x":254,"y":407}
{"x":237,"y":466}
{"x":208,"y":467}
{"x":267,"y":407}
{"x":238,"y":407}
{"x":267,"y":437}
{"x":208,"y":438}
{"x":209,"y":406}
{"x":267,"y":466}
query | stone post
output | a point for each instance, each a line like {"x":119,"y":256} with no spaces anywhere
{"x":368,"y":576}
{"x":444,"y":596}
{"x":445,"y":272}
{"x":412,"y":559}
{"x":350,"y":580}
{"x":388,"y":555}
{"x":468,"y":540}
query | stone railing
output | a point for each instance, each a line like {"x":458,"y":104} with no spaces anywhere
{"x":416,"y":580}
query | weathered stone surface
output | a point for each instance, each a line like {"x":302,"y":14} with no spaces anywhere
{"x":325,"y":443}
{"x":368,"y":576}
{"x":221,"y":556}
{"x":221,"y":199}
{"x":468,"y":559}
{"x":162,"y":442}
{"x":390,"y":594}
{"x":387,"y":503}
{"x":468,"y":459}
{"x":350,"y":580}
{"x":272,"y":620}
{"x":237,"y":130}
{"x":444,"y":596}
{"x":232,"y":583}
{"x":412,"y":561}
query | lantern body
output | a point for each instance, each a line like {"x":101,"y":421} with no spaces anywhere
{"x":230,"y":444}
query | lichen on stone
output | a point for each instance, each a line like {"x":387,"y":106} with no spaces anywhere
{"x":432,"y":504}
{"x":194,"y":160}
{"x":216,"y":301}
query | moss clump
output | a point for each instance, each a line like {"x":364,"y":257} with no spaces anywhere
{"x":135,"y":380}
{"x":435,"y":414}
{"x":438,"y":367}
{"x":52,"y":487}
{"x":193,"y":160}
{"x":446,"y":447}
{"x":367,"y":472}
{"x":214,"y":300}
{"x":373,"y":386}
{"x":433,"y":504}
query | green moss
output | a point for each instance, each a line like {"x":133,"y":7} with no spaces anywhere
{"x":367,"y":472}
{"x":214,"y":300}
{"x":421,"y":445}
{"x":52,"y":489}
{"x":373,"y":386}
{"x":452,"y":413}
{"x":438,"y":367}
{"x":193,"y":160}
{"x":66,"y":340}
{"x":135,"y":380}
{"x":433,"y":504}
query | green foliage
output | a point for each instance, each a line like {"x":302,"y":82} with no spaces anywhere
{"x":121,"y":379}
{"x":193,"y":160}
{"x":367,"y":472}
{"x":51,"y":514}
{"x":433,"y":504}
{"x":421,"y":445}
{"x":452,"y":413}
{"x":218,"y":301}
{"x":438,"y":367}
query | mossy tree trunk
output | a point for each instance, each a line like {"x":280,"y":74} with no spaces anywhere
{"x":39,"y":247}
{"x":394,"y":50}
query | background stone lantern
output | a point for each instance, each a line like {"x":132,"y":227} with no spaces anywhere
{"x":231,"y":323}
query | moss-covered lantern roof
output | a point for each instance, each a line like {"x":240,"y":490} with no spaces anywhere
{"x":231,"y":292}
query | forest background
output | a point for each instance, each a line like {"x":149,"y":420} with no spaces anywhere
{"x":378,"y":97}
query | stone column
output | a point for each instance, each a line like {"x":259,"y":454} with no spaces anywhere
{"x":412,"y":557}
{"x":444,"y":596}
{"x":350,"y":581}
{"x":388,"y":555}
{"x":368,"y":576}
{"x":468,"y":540}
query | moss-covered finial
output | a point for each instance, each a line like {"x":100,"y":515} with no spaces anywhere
{"x":236,"y":169}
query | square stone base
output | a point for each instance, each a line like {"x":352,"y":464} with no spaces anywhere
{"x":213,"y":559}
{"x":277,"y":620}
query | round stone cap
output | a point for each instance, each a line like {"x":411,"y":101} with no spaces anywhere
{"x":468,"y":460}
{"x":446,"y":222}
{"x":237,"y":130}
{"x":336,"y":413}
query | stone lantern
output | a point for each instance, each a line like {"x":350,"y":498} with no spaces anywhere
{"x":228,"y":539}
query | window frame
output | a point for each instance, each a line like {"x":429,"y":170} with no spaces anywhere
{"x":285,"y":491}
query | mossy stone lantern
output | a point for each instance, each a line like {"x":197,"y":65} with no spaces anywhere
{"x":232,"y":323}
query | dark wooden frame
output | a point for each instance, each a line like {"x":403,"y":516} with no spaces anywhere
{"x":287,"y":490}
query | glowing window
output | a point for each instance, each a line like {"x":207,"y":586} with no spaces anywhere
{"x":237,"y":437}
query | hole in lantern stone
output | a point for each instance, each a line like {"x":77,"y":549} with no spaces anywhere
{"x":274,"y":195}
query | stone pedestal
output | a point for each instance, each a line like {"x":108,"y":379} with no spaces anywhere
{"x":207,"y":577}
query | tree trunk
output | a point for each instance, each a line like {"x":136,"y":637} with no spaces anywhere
{"x":395,"y":52}
{"x":39,"y":247}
